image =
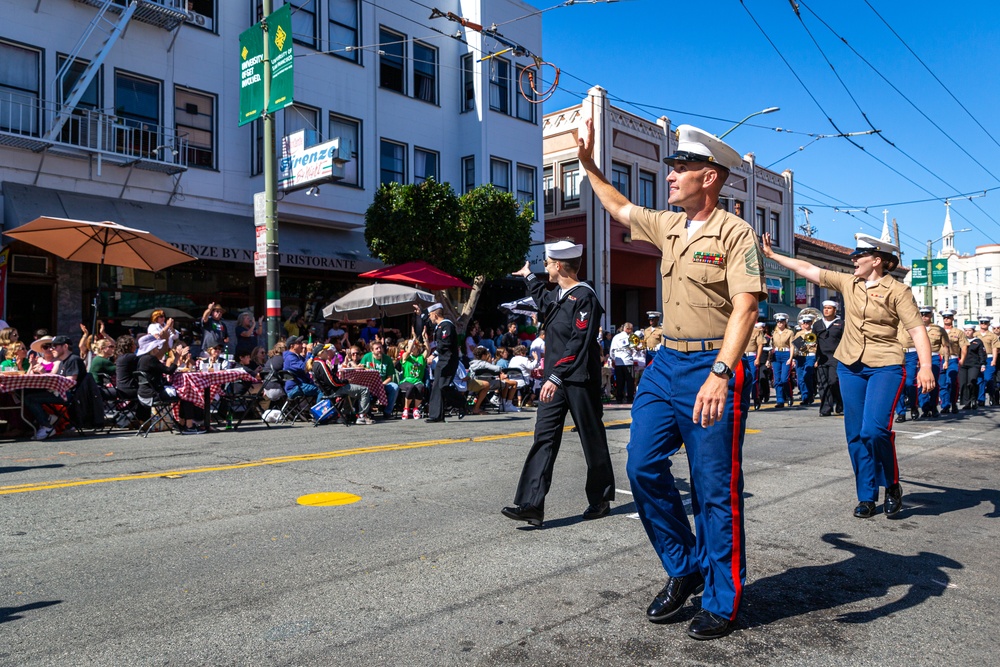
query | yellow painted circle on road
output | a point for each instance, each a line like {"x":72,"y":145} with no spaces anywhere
{"x":328,"y":499}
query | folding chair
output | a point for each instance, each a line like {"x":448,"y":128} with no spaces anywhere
{"x":243,"y":404}
{"x":119,"y":412}
{"x":296,"y":407}
{"x":161,"y":409}
{"x":330,"y":389}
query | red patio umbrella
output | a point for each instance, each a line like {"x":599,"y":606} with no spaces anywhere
{"x":417,"y":273}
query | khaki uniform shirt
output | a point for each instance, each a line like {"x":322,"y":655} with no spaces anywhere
{"x":904,"y":338}
{"x":989,"y":339}
{"x":956,"y":341}
{"x":872,"y":318}
{"x":781,"y":341}
{"x":804,"y":348}
{"x":701,"y":275}
{"x":757,"y":339}
{"x":938,"y":337}
{"x":652,"y":337}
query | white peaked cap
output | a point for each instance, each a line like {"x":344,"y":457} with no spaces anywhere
{"x":696,"y":145}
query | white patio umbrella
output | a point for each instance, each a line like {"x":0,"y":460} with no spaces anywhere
{"x":175,"y":313}
{"x":379,"y":300}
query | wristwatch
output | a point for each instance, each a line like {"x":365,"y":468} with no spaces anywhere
{"x":720,"y":368}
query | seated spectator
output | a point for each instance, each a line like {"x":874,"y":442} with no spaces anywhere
{"x":151,"y":352}
{"x":244,"y":363}
{"x":70,"y":365}
{"x":274,"y":389}
{"x":180,"y":355}
{"x":7,"y":336}
{"x":16,"y":359}
{"x":502,"y":358}
{"x":485,"y":371}
{"x":379,"y":361}
{"x":353,"y":358}
{"x":520,"y":368}
{"x":87,"y":340}
{"x":103,"y":360}
{"x":294,"y":362}
{"x":126,"y":364}
{"x":213,"y":359}
{"x":325,"y":375}
{"x":45,"y":358}
{"x":162,"y":328}
{"x":414,"y":366}
{"x":258,"y":357}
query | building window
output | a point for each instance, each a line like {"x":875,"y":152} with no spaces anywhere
{"x":392,"y":162}
{"x":500,"y":174}
{"x":621,"y":178}
{"x":20,"y":88}
{"x":468,"y":84}
{"x":954,"y":277}
{"x":570,"y":185}
{"x":257,"y":147}
{"x":761,"y":221}
{"x":965,"y":278}
{"x":393,"y":47}
{"x":548,"y":189}
{"x":500,"y":86}
{"x":194,"y":117}
{"x":468,"y":174}
{"x":989,"y":299}
{"x":739,"y":208}
{"x":988,"y":273}
{"x":425,"y":165}
{"x":202,"y":13}
{"x":348,"y":130}
{"x":954,"y":303}
{"x":647,"y":189}
{"x":78,"y":130}
{"x":775,"y":228}
{"x":298,"y":117}
{"x":524,"y":106}
{"x":526,"y":186}
{"x":775,"y":290}
{"x":304,"y":21}
{"x":342,"y":16}
{"x":137,"y":106}
{"x":425,"y":68}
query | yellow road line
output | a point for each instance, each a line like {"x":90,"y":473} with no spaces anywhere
{"x":45,"y":486}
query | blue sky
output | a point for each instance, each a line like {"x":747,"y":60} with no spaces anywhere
{"x":709,"y":65}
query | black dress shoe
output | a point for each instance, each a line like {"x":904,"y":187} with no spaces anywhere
{"x":864,"y":510}
{"x":914,"y":415}
{"x":673,"y":596}
{"x":597,"y":511}
{"x":893,"y":500}
{"x":706,"y":625}
{"x":434,"y":421}
{"x":527,"y":513}
{"x":826,"y":414}
{"x":900,"y":418}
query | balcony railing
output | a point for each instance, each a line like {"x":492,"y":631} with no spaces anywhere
{"x":166,"y":14}
{"x":119,"y":140}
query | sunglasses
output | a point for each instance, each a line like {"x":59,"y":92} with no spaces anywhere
{"x":45,"y":347}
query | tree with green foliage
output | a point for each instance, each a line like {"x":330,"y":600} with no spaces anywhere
{"x":482,"y":235}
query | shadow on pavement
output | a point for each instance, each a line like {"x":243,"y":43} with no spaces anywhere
{"x":867,"y":574}
{"x":14,"y":613}
{"x":23,"y":468}
{"x":616,"y":510}
{"x":947,"y":499}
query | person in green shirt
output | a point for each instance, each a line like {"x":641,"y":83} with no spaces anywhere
{"x":414,"y":371}
{"x":102,"y":364}
{"x":17,"y":358}
{"x":379,"y":361}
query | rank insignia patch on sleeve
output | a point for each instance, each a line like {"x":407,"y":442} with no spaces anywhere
{"x":581,"y":320}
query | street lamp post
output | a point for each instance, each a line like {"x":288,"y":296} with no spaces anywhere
{"x":929,"y":287}
{"x":755,"y":113}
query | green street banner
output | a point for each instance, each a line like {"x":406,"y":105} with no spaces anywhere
{"x":920,"y":272}
{"x":251,"y":74}
{"x":281,"y":52}
{"x":939,"y":272}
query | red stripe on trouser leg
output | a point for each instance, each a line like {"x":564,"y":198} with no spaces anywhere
{"x":892,"y":434}
{"x":734,"y":490}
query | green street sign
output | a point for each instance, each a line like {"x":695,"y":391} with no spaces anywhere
{"x":919,"y":273}
{"x":939,"y":272}
{"x":251,"y":74}
{"x":282,"y":56}
{"x":281,"y":53}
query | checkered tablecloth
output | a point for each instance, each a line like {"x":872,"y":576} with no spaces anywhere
{"x":191,"y":386}
{"x":57,"y":384}
{"x":366,"y":377}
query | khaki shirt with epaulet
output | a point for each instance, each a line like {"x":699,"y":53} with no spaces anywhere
{"x":872,"y":316}
{"x":701,"y":275}
{"x":757,"y":340}
{"x":956,"y":341}
{"x":990,"y":340}
{"x":938,"y":337}
{"x":804,"y":348}
{"x":904,"y":338}
{"x":652,"y":337}
{"x":781,"y":341}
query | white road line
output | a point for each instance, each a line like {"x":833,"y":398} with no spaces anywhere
{"x":896,"y":430}
{"x":627,"y":493}
{"x":925,"y":435}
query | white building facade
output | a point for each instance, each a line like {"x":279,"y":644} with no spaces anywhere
{"x":154,"y":141}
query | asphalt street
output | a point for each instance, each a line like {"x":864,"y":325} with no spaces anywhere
{"x":198,"y":550}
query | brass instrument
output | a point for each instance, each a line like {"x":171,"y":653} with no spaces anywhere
{"x":809,"y":338}
{"x":809,"y":310}
{"x":635,"y":340}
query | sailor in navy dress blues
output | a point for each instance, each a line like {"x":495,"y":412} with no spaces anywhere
{"x":697,"y":392}
{"x":446,"y":348}
{"x":571,"y":316}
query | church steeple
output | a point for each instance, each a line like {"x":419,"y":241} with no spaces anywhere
{"x":948,"y":233}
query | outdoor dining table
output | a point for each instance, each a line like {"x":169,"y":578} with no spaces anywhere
{"x":11,"y":382}
{"x":200,"y":387}
{"x":366,"y":377}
